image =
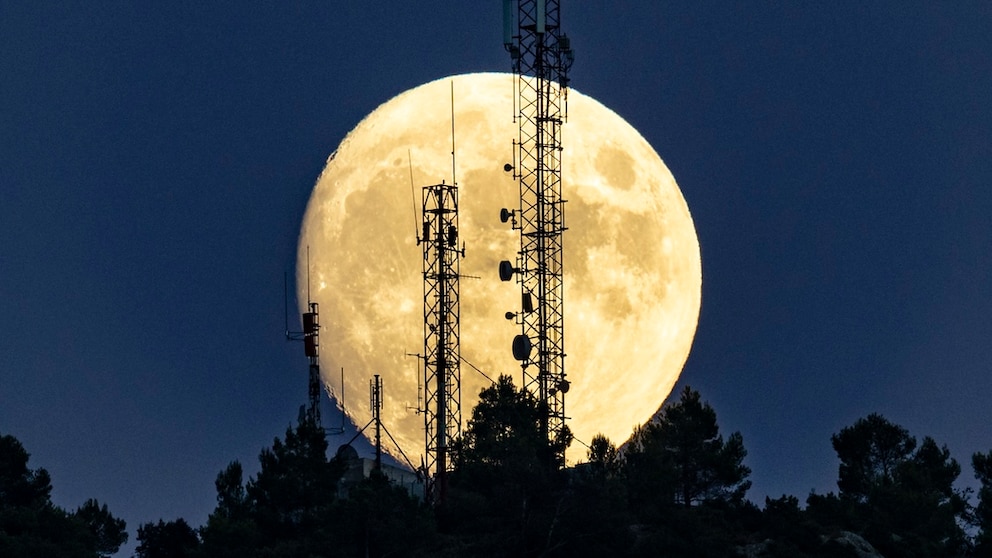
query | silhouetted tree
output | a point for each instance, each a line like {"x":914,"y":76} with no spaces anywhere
{"x":594,"y":516}
{"x":286,"y":509}
{"x":379,"y":518}
{"x":232,"y":498}
{"x":692,"y":461}
{"x":502,"y":492}
{"x":504,"y":434}
{"x":686,"y":484}
{"x":31,"y":526}
{"x":787,"y":531}
{"x":899,"y":497}
{"x":982,"y":465}
{"x":175,"y":539}
{"x":21,"y":487}
{"x":108,"y":532}
{"x":231,"y":530}
{"x":296,"y":484}
{"x":870,"y":452}
{"x":651,"y":481}
{"x":603,"y":456}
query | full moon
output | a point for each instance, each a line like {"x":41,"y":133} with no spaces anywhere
{"x":631,"y":258}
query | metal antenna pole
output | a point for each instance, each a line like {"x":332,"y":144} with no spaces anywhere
{"x":375,"y":396}
{"x":311,"y":345}
{"x":541,"y":56}
{"x":442,"y":362}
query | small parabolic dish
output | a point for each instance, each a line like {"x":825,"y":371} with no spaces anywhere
{"x":521,"y":347}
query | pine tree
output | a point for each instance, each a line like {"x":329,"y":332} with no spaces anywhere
{"x":982,"y":464}
{"x":900,"y":497}
{"x":31,"y":525}
{"x":690,"y":459}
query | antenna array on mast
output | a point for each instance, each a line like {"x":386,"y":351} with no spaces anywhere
{"x":541,"y":56}
{"x":442,"y":362}
{"x":311,"y":344}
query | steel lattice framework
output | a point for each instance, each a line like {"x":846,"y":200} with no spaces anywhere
{"x":311,"y":344}
{"x":442,"y":362}
{"x":541,"y":58}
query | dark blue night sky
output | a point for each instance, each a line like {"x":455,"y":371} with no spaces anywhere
{"x":155,"y":162}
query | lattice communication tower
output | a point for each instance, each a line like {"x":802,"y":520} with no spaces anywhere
{"x":311,"y":346}
{"x":541,"y":57}
{"x":375,"y":405}
{"x":442,"y":361}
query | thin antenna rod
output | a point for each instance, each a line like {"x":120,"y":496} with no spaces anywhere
{"x":453,"y":181}
{"x":413,"y":195}
{"x":285,"y":300}
{"x":309,"y":300}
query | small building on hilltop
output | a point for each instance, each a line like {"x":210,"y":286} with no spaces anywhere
{"x":358,"y":469}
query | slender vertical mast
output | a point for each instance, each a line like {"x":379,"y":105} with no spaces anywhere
{"x":442,"y":358}
{"x":541,"y":57}
{"x":311,"y":345}
{"x":375,"y":402}
{"x":442,"y":366}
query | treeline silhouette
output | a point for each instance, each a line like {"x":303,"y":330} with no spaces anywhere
{"x":676,"y":489}
{"x":31,"y":526}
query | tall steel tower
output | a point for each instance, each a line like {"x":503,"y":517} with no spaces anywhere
{"x":541,"y":57}
{"x":375,"y":405}
{"x":442,"y":362}
{"x":311,"y":346}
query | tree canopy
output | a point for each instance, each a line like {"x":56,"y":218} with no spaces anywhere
{"x":676,"y":489}
{"x":32,"y":526}
{"x":173,"y":539}
{"x":689,"y":459}
{"x":982,"y":465}
{"x":896,"y":493}
{"x":292,"y":508}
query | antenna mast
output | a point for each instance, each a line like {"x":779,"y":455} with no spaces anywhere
{"x":311,"y":344}
{"x":442,"y":361}
{"x":541,"y":56}
{"x":375,"y":404}
{"x":442,"y":358}
{"x":311,"y":347}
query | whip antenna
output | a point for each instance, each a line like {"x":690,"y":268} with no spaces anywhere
{"x":453,"y":181}
{"x":413,"y":195}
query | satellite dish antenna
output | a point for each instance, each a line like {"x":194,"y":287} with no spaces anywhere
{"x":504,"y":215}
{"x":506,"y":270}
{"x":521,"y":347}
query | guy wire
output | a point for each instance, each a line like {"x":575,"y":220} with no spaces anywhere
{"x":413,"y":197}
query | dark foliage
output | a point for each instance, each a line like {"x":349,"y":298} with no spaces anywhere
{"x":681,"y":458}
{"x":677,"y":490}
{"x":291,"y":508}
{"x":175,"y":539}
{"x":900,"y":497}
{"x":982,"y":464}
{"x":381,"y":519}
{"x":108,"y":532}
{"x":504,"y":499}
{"x":870,"y":452}
{"x":31,"y":526}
